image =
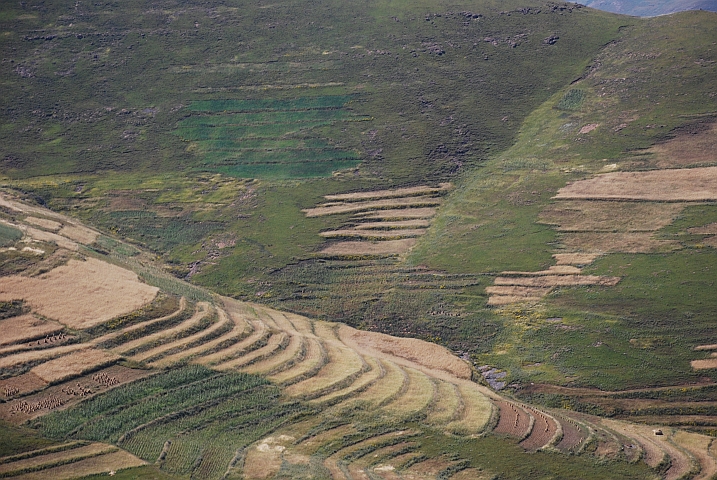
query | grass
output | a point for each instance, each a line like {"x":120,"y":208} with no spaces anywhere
{"x":9,"y":235}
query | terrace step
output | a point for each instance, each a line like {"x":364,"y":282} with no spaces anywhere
{"x":476,"y":413}
{"x":127,"y":331}
{"x":315,"y":357}
{"x":416,"y":398}
{"x":237,"y":333}
{"x":276,"y":342}
{"x":207,"y":334}
{"x":201,"y":311}
{"x":370,"y":377}
{"x":282,"y":359}
{"x":257,"y":339}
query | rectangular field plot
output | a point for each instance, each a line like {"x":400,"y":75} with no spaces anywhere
{"x":269,"y":138}
{"x":25,"y":328}
{"x":301,"y":103}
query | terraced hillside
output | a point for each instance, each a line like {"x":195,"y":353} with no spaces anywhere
{"x":223,"y":388}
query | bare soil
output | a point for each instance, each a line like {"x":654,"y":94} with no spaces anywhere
{"x":693,"y":148}
{"x":573,"y":435}
{"x":543,"y":431}
{"x":513,"y":421}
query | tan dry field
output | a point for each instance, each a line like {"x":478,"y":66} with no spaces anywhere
{"x":50,"y":458}
{"x":398,"y":214}
{"x":396,"y":234}
{"x":601,"y":216}
{"x":43,"y":354}
{"x":516,"y":291}
{"x":74,"y":365}
{"x":25,"y":328}
{"x":157,"y":339}
{"x":393,"y":225}
{"x":12,"y":204}
{"x":502,"y":300}
{"x":633,"y":242}
{"x":710,"y":229}
{"x":701,"y":448}
{"x":111,"y":461}
{"x":417,"y":397}
{"x":414,"y":350}
{"x":704,"y":364}
{"x":558,"y":281}
{"x":686,"y":150}
{"x":397,"y":192}
{"x":673,"y":185}
{"x":553,"y":270}
{"x":447,"y":406}
{"x":49,"y":237}
{"x":80,"y":294}
{"x":79,"y":233}
{"x":575,"y":258}
{"x":389,"y":247}
{"x":44,"y":223}
{"x":353,"y":207}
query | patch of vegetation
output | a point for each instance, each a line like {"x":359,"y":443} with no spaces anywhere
{"x":205,"y":415}
{"x":9,"y":235}
{"x":572,"y":100}
{"x":15,"y":440}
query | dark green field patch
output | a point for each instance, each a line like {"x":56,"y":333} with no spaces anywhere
{"x":9,"y":235}
{"x":276,"y":136}
{"x":301,"y":103}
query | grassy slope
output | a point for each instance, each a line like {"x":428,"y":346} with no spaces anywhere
{"x":638,"y":82}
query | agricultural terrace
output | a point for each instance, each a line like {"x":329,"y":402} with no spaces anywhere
{"x":384,"y":221}
{"x":269,"y":138}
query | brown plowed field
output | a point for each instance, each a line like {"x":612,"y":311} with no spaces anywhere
{"x":80,"y":294}
{"x":513,"y":421}
{"x":573,"y":435}
{"x":686,"y":184}
{"x":25,"y":328}
{"x":25,"y":383}
{"x":710,"y":229}
{"x":544,"y":430}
